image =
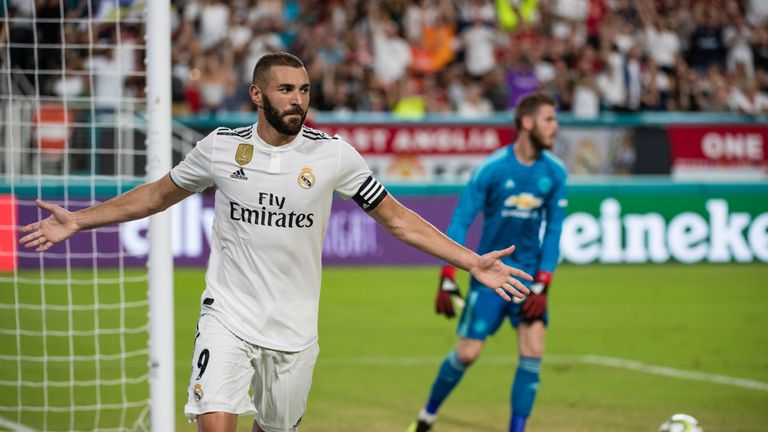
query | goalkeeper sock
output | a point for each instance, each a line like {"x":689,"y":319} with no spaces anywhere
{"x":524,"y":389}
{"x":517,"y":424}
{"x":448,"y":377}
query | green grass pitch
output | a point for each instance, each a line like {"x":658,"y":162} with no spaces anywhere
{"x":627,"y":347}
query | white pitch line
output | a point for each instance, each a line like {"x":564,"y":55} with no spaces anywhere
{"x":14,"y":426}
{"x":674,"y":373}
{"x":584,"y":359}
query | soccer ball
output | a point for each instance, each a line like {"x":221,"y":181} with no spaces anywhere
{"x":680,"y":423}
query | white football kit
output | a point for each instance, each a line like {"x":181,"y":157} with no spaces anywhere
{"x":272,"y":206}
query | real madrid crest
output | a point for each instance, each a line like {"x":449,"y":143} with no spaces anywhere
{"x":306,"y":179}
{"x":244,"y":154}
{"x":198,"y":392}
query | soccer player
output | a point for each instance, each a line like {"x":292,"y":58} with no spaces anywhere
{"x":274,"y":185}
{"x":519,"y":189}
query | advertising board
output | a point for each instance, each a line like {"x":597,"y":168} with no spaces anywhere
{"x":611,"y":224}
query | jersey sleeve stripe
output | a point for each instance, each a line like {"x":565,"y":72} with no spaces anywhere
{"x":316,"y":134}
{"x":245,"y":132}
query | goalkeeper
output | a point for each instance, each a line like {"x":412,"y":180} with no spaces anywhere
{"x":519,"y":189}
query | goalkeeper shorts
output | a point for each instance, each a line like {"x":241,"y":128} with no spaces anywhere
{"x":225,"y":368}
{"x":484,"y":312}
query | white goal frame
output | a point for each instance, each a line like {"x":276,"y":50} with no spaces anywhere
{"x":159,"y":372}
{"x":161,"y":328}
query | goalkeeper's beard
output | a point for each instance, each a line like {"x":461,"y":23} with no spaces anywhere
{"x":539,"y":141}
{"x":275,"y":118}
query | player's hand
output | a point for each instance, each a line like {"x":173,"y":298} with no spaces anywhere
{"x":491,"y":272}
{"x":57,"y":227}
{"x":448,"y":299}
{"x":535,"y":305}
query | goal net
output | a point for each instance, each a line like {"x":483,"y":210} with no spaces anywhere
{"x":73,"y":321}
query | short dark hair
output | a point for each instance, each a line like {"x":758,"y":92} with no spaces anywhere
{"x":529,"y":106}
{"x":267,"y":61}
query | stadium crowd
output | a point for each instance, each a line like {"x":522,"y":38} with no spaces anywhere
{"x":472,"y":57}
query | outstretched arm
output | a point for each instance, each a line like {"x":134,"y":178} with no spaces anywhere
{"x":137,"y":203}
{"x":488,"y":269}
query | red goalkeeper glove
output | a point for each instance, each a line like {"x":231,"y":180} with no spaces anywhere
{"x":448,"y":298}
{"x":535,"y":305}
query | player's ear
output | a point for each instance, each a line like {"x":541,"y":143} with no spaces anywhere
{"x":255,"y":92}
{"x":527,"y":122}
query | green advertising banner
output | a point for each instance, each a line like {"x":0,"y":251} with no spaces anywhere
{"x":661,"y":222}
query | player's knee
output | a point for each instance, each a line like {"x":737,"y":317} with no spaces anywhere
{"x":468,"y":356}
{"x":532,"y":349}
{"x":216,"y":422}
{"x":534,"y":352}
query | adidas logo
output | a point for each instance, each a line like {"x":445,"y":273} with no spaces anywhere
{"x":239,"y":175}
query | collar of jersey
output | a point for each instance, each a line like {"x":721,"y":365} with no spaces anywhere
{"x":513,"y":156}
{"x":262,"y":145}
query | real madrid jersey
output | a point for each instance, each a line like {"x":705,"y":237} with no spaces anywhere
{"x":271,"y":212}
{"x":515,"y":199}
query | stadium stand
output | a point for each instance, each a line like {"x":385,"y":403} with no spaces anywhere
{"x":592,"y":55}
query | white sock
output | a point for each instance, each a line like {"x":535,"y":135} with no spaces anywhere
{"x":427,"y":417}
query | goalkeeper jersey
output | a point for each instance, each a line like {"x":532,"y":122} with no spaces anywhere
{"x":272,"y":206}
{"x":516,"y":200}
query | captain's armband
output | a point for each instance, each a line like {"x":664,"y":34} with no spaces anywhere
{"x":370,"y":194}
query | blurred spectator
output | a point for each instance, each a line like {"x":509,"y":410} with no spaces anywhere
{"x":569,"y":14}
{"x":759,"y":45}
{"x":434,"y":48}
{"x":475,"y":105}
{"x":591,"y":55}
{"x":633,"y":76}
{"x":269,"y":10}
{"x":737,"y":37}
{"x":655,"y":87}
{"x":391,"y":54}
{"x":707,"y":44}
{"x":108,"y":78}
{"x":214,"y":23}
{"x":496,"y":90}
{"x":521,"y":78}
{"x":662,"y":44}
{"x":748,"y":100}
{"x":596,"y":12}
{"x":757,"y":11}
{"x":48,"y":35}
{"x":240,"y":33}
{"x":713,"y":90}
{"x":412,"y":104}
{"x":454,"y":82}
{"x":611,"y":80}
{"x":682,"y":88}
{"x":263,"y":41}
{"x":435,"y":96}
{"x":471,"y":11}
{"x":72,"y":82}
{"x":212,"y":83}
{"x":478,"y":42}
{"x":586,"y":99}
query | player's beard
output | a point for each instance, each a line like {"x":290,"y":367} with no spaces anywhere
{"x":539,"y":141}
{"x":275,"y":118}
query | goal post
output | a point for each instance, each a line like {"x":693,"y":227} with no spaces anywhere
{"x":161,"y":327}
{"x":86,"y":328}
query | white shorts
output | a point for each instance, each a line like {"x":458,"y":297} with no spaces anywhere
{"x":225,"y":367}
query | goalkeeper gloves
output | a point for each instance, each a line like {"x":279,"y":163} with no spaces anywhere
{"x":448,"y":299}
{"x":535,"y":305}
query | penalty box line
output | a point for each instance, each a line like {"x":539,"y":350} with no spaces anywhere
{"x":583,"y":359}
